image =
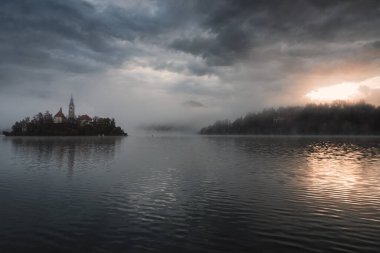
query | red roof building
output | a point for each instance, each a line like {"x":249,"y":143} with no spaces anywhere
{"x":84,"y":117}
{"x":59,"y":117}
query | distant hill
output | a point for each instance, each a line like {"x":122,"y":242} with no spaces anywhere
{"x":338,"y":118}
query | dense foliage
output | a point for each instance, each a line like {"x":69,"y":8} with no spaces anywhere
{"x":336,"y":118}
{"x":43,"y":125}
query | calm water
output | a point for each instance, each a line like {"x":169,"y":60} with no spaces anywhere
{"x":190,"y":194}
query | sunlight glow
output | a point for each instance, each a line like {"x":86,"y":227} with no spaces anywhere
{"x":345,"y":91}
{"x":335,"y":172}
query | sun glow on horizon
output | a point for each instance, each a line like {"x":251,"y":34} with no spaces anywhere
{"x":345,"y":91}
{"x":342,"y":91}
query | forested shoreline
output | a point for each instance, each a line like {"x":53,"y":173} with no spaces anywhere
{"x":338,"y":118}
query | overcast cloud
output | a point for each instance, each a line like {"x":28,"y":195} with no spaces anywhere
{"x":188,"y":61}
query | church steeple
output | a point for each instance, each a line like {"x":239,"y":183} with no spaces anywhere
{"x":71,"y":108}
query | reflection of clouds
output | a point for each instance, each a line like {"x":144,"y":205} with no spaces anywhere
{"x":346,"y":173}
{"x":64,"y":152}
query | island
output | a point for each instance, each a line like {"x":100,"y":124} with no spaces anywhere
{"x":44,"y":124}
{"x":337,"y":118}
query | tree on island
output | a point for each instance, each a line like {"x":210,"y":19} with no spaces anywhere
{"x":43,"y":125}
{"x":338,"y":118}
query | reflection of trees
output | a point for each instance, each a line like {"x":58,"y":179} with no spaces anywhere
{"x":65,"y":152}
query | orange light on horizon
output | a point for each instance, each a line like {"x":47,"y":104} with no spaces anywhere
{"x":342,"y":91}
{"x":347,"y":91}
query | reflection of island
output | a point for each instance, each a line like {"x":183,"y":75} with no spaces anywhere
{"x":65,"y":152}
{"x":60,"y":125}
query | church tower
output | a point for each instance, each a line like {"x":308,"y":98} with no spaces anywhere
{"x":71,"y":108}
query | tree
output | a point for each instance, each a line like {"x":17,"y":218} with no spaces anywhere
{"x":335,"y":118}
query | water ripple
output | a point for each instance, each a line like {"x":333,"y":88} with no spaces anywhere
{"x":195,"y":194}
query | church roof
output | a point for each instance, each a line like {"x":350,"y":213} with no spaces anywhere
{"x":85,"y":117}
{"x":59,"y":114}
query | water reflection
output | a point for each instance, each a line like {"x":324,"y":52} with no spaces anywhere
{"x":64,"y":152}
{"x":198,"y":194}
{"x":343,"y":172}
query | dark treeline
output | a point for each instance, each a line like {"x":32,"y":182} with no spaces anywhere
{"x":338,"y":118}
{"x":43,"y":125}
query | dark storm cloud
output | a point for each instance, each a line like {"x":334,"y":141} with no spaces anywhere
{"x":75,"y":36}
{"x":238,"y":27}
{"x":68,"y":35}
{"x":195,"y":88}
{"x":188,"y":67}
{"x":374,"y":45}
{"x":192,"y":103}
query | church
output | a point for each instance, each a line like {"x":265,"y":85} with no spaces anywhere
{"x":69,"y":124}
{"x":60,"y":118}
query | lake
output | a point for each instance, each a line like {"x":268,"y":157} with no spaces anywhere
{"x":189,"y":194}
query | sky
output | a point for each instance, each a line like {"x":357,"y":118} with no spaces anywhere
{"x":185,"y":62}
